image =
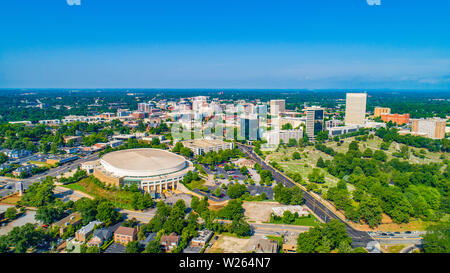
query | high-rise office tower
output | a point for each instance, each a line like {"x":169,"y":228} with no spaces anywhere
{"x":145,"y":107}
{"x":277,"y":107}
{"x":355,"y":108}
{"x":249,"y":127}
{"x":431,"y":127}
{"x":314,"y":121}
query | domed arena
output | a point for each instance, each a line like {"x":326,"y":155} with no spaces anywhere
{"x":152,"y":170}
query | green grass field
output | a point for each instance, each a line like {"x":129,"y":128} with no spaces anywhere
{"x":305,"y":165}
{"x":195,"y":184}
{"x":309,"y":157}
{"x":309,"y":221}
{"x":120,"y":198}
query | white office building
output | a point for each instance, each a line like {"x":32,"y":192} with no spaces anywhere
{"x":355,"y":108}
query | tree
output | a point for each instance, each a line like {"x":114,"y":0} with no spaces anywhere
{"x":3,"y":158}
{"x":309,"y":241}
{"x":284,"y":195}
{"x":23,"y":237}
{"x":296,"y":196}
{"x":217,"y":192}
{"x":320,"y":163}
{"x":286,"y":126}
{"x":322,"y":135}
{"x":133,"y":247}
{"x":153,"y":247}
{"x":380,"y":155}
{"x":353,"y":146}
{"x":345,"y":247}
{"x":370,"y":211}
{"x":243,"y":170}
{"x":107,"y":214}
{"x":232,"y":211}
{"x":141,"y":201}
{"x":316,"y":177}
{"x":292,"y":142}
{"x":336,"y":232}
{"x":93,"y":249}
{"x":324,"y":238}
{"x":241,"y":228}
{"x":437,"y":238}
{"x":48,"y":214}
{"x":87,"y":208}
{"x":236,"y":190}
{"x":39,"y":194}
{"x":368,"y":153}
{"x":288,"y":217}
{"x":296,"y":156}
{"x":11,"y":213}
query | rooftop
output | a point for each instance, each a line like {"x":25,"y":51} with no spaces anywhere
{"x":89,"y":227}
{"x":203,"y":143}
{"x":142,"y":162}
{"x":128,"y":231}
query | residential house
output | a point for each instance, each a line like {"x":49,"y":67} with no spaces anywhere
{"x":202,"y":238}
{"x":148,"y":239}
{"x":100,"y":236}
{"x":124,"y":235}
{"x":23,"y":170}
{"x":169,"y":242}
{"x":83,"y":233}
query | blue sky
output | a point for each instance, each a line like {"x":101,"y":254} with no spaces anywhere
{"x":312,"y":44}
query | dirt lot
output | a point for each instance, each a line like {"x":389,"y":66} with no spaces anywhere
{"x":259,"y":212}
{"x":11,"y":200}
{"x":388,"y":225}
{"x":228,"y":244}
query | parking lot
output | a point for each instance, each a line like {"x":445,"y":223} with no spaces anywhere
{"x":27,"y":217}
{"x":222,"y":177}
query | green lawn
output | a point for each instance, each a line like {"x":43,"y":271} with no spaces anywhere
{"x":120,"y":198}
{"x":195,"y":184}
{"x":374,"y":144}
{"x":40,"y":164}
{"x":309,"y":221}
{"x":305,"y":165}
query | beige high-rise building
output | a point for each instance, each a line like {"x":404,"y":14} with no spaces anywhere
{"x":277,"y":107}
{"x":378,"y":111}
{"x":355,"y":108}
{"x":432,"y":127}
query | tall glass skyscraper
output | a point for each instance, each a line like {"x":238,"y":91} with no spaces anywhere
{"x":314,"y":121}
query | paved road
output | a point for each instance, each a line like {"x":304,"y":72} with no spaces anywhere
{"x":399,"y":241}
{"x":144,"y":216}
{"x":52,"y":172}
{"x":360,"y":238}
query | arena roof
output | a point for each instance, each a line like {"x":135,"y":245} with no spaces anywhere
{"x":142,"y":162}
